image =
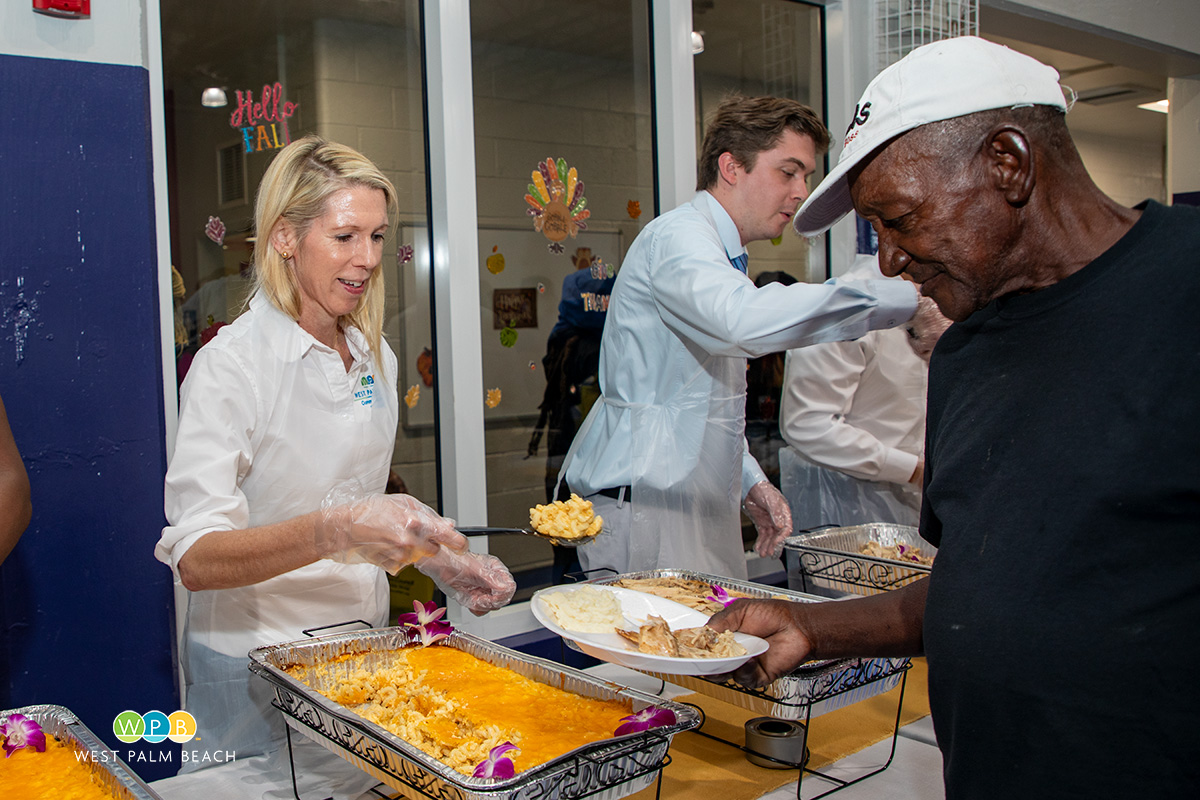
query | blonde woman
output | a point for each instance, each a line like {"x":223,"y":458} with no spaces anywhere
{"x":274,"y":495}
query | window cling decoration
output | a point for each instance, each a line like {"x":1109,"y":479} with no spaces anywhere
{"x":556,"y":202}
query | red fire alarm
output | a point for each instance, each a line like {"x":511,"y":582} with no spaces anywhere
{"x":65,"y":9}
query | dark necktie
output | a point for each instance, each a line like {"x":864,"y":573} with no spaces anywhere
{"x":741,"y":262}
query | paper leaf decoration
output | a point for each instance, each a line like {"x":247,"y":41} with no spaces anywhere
{"x":495,"y":262}
{"x":215,"y":230}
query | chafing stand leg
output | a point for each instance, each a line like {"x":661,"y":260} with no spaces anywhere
{"x":287,"y":729}
{"x":841,"y":784}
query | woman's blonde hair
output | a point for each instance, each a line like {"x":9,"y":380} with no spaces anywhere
{"x":295,"y":189}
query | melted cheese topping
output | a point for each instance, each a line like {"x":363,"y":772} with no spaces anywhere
{"x":457,"y":707}
{"x":56,"y":774}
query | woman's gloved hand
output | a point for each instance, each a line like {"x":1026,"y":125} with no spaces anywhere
{"x":768,"y":510}
{"x":388,"y":530}
{"x":926,"y":327}
{"x":478,"y":581}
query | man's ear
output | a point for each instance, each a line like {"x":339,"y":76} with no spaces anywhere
{"x":1011,"y":163}
{"x":728,"y":168}
{"x":283,"y":238}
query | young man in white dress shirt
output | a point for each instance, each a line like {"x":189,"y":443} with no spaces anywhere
{"x":663,"y":454}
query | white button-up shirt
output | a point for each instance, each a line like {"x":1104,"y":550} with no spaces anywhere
{"x":858,"y":407}
{"x":270,"y":421}
{"x":678,"y":302}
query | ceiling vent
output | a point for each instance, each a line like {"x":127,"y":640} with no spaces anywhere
{"x":1123,"y":93}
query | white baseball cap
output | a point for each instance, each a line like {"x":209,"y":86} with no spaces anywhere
{"x":942,"y":80}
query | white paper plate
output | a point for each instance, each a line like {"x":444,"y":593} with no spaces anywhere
{"x":636,"y":607}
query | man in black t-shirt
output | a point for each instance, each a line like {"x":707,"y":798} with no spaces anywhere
{"x":1062,"y":476}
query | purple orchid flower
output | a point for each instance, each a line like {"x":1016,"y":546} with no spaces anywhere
{"x":649,"y":717}
{"x":721,"y":596}
{"x":433,"y":633}
{"x":496,"y":765}
{"x":427,"y":620}
{"x":422,"y":614}
{"x":21,"y":731}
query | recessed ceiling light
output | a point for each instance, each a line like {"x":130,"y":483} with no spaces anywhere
{"x":1162,"y":106}
{"x":214,"y":97}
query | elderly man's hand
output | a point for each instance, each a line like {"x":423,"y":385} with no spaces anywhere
{"x":768,"y":510}
{"x":773,"y":620}
{"x":926,"y":327}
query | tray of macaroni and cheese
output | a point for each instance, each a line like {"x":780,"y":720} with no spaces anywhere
{"x":89,"y":756}
{"x":858,"y":559}
{"x":306,"y":674}
{"x":812,"y":689}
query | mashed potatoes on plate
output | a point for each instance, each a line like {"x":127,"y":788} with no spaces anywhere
{"x":585,"y":610}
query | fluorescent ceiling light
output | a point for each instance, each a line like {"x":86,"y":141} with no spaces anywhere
{"x":1160,"y":106}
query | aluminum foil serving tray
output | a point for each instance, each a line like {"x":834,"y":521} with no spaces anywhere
{"x":108,"y":770}
{"x":812,"y":689}
{"x":831,"y":558}
{"x":608,"y":769}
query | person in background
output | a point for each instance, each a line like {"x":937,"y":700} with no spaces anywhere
{"x":14,"y":489}
{"x":764,"y":387}
{"x":571,"y":363}
{"x":1062,"y":486}
{"x":854,"y":420}
{"x":663,"y":454}
{"x":278,"y":520}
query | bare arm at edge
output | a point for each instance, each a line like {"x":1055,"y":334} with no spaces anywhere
{"x":883,"y":625}
{"x":14,"y":490}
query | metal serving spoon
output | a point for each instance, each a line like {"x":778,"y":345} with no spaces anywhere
{"x":558,"y":540}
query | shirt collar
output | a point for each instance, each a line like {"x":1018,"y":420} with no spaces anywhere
{"x":286,"y":336}
{"x":726,"y":227}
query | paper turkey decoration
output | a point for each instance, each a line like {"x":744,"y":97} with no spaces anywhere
{"x":556,"y":202}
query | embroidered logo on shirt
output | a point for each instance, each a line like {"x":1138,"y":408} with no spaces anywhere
{"x":366,"y":390}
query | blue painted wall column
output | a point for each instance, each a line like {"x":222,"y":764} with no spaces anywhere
{"x":85,"y":610}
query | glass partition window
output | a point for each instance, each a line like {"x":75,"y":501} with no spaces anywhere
{"x":564,"y":155}
{"x":769,"y":47}
{"x":242,"y":79}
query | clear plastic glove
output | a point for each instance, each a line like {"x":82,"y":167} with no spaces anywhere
{"x":926,"y":327}
{"x":478,"y":581}
{"x":388,"y":530}
{"x":772,"y":518}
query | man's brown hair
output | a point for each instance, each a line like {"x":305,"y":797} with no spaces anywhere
{"x":746,"y":126}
